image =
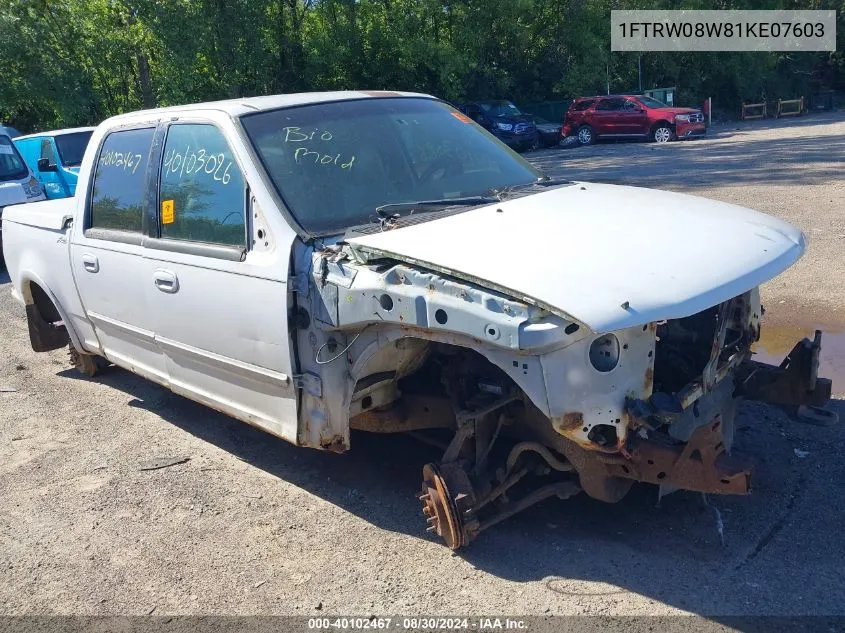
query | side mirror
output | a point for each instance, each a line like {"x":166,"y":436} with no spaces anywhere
{"x":45,"y":165}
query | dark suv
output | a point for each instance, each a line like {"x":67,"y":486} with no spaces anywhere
{"x":505,"y":121}
{"x":621,"y":116}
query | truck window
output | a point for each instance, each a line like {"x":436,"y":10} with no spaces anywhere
{"x":72,"y":147}
{"x":610,"y":104}
{"x":202,"y":190}
{"x":12,"y":166}
{"x":117,"y":200}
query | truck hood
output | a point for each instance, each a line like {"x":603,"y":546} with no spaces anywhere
{"x":607,"y":256}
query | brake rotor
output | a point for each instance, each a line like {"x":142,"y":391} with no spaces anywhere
{"x":447,"y":496}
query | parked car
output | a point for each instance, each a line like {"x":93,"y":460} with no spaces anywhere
{"x":9,"y":131}
{"x":55,"y":158}
{"x":16,"y":179}
{"x":505,"y":121}
{"x":316,"y":263}
{"x":10,"y":193}
{"x":630,"y":116}
{"x":549,"y":132}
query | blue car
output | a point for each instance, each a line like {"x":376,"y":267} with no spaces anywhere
{"x":55,"y":157}
{"x":504,"y":120}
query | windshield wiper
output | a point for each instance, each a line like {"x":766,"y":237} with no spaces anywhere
{"x":384,"y":210}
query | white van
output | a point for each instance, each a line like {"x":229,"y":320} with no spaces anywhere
{"x":16,"y":180}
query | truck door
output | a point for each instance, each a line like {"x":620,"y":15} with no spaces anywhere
{"x":216,"y":279}
{"x":107,"y":256}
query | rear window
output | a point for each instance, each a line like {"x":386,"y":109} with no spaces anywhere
{"x":12,"y":166}
{"x":72,"y":147}
{"x":117,"y":200}
{"x":579,"y":106}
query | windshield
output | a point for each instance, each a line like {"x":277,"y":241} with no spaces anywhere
{"x":72,"y":147}
{"x":12,"y":166}
{"x":500,"y":108}
{"x":652,"y":103}
{"x":334,"y":163}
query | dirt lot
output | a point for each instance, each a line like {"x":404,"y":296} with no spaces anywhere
{"x":246,"y":524}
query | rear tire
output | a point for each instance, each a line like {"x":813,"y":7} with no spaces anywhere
{"x":87,"y":364}
{"x":662,"y":133}
{"x":586,"y":135}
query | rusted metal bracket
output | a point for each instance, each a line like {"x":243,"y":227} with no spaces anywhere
{"x":793,"y":383}
{"x":700,"y":464}
{"x":466,"y":422}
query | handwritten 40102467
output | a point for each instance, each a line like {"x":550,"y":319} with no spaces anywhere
{"x":123,"y":160}
{"x":303,"y":153}
{"x":199,"y":161}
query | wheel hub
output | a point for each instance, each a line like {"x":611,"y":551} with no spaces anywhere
{"x":447,"y":498}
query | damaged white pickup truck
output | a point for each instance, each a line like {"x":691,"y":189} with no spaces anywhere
{"x":316,"y":263}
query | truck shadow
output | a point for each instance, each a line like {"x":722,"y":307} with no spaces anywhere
{"x":716,"y":555}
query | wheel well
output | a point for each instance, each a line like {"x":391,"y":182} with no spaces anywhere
{"x":421,"y":386}
{"x":46,"y":307}
{"x":660,"y":124}
{"x":47,"y":330}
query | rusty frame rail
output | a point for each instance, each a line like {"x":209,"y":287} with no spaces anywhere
{"x":701,"y":464}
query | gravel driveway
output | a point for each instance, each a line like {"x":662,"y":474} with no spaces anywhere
{"x":119,"y":497}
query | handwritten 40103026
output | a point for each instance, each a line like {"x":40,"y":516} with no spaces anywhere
{"x":315,"y":153}
{"x":198,"y":161}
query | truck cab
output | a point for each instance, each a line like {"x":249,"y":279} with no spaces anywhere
{"x":54,"y":157}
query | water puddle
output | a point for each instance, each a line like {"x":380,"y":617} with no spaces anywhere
{"x":778,"y":339}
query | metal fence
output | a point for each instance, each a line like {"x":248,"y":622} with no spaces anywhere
{"x":826,"y":100}
{"x":553,"y":111}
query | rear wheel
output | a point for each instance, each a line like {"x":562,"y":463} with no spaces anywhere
{"x":586,"y":136}
{"x":662,"y":133}
{"x":87,"y":364}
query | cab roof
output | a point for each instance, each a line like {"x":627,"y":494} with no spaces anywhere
{"x":247,"y":105}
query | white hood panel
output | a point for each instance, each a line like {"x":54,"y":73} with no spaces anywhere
{"x":608,"y":256}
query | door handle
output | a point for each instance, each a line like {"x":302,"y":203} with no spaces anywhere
{"x":166,"y":280}
{"x":90,"y":263}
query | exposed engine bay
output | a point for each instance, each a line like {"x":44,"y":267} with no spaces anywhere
{"x":528,"y":405}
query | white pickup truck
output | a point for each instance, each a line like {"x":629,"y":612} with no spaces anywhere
{"x":315,"y":263}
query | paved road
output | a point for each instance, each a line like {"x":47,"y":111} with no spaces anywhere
{"x":246,"y":524}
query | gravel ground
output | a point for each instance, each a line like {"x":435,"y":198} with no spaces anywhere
{"x":242,"y":523}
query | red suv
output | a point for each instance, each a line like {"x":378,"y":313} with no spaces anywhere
{"x":621,"y":116}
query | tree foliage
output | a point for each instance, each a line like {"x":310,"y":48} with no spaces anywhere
{"x":73,"y":62}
